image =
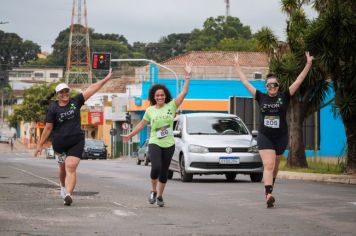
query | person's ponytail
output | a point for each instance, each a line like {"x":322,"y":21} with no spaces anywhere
{"x":48,"y":99}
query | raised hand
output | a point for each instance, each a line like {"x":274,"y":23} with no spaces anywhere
{"x":236,"y":60}
{"x":309,"y":57}
{"x":188,"y":70}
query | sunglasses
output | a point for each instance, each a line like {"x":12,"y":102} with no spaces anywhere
{"x":272,"y":85}
{"x":64,"y":91}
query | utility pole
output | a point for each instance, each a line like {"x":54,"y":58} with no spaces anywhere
{"x":78,"y":55}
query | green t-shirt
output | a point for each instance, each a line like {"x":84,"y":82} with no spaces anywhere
{"x":161,"y":121}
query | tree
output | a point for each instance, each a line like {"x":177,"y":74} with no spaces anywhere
{"x":332,"y":40}
{"x":14,"y":51}
{"x":216,"y":29}
{"x":116,"y":44}
{"x":167,"y":47}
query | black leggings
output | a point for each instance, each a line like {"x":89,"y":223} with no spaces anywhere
{"x":160,"y":161}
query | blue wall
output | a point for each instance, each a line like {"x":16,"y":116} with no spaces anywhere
{"x":332,"y":132}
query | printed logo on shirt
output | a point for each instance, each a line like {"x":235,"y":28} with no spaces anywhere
{"x":169,"y":112}
{"x":67,"y":115}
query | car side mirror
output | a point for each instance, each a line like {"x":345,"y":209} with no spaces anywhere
{"x":177,"y":133}
{"x":254,"y":133}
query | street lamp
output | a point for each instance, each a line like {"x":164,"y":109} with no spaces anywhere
{"x":156,"y":63}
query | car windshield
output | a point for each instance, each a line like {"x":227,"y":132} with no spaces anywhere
{"x":215,"y":126}
{"x":94,"y":143}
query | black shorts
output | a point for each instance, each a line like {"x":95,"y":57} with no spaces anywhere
{"x":71,"y":146}
{"x":279,"y":144}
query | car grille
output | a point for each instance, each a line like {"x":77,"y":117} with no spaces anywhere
{"x":223,"y":149}
{"x":216,"y":165}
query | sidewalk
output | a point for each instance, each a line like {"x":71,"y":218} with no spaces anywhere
{"x":328,"y":178}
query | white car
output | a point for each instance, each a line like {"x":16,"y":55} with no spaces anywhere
{"x":214,"y":143}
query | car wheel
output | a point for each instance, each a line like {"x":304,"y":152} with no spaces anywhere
{"x":146,"y":161}
{"x":230,"y":176}
{"x":256,"y":177}
{"x":170,"y":174}
{"x":185,"y":177}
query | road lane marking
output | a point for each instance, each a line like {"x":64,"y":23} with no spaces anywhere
{"x":353,"y":203}
{"x":32,"y":174}
{"x":119,"y":204}
{"x":123,"y":213}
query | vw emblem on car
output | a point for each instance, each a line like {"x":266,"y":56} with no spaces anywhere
{"x":228,"y":150}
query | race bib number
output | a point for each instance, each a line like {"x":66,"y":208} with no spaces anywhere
{"x":271,"y":121}
{"x":163,"y":131}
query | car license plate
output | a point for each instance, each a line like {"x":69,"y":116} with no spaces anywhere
{"x":96,"y":154}
{"x":229,"y":160}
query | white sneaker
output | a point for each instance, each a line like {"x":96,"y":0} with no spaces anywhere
{"x":63,"y":192}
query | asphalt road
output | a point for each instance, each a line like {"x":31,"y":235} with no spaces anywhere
{"x":111,"y":199}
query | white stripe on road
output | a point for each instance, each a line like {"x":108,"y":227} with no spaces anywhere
{"x":353,"y":203}
{"x":123,"y":213}
{"x":32,"y":174}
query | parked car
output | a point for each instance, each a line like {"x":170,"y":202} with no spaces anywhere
{"x":94,"y":149}
{"x":49,"y":153}
{"x":214,"y":143}
{"x":142,"y":154}
{"x":4,"y":138}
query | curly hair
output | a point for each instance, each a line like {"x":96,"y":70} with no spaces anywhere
{"x":153,"y":90}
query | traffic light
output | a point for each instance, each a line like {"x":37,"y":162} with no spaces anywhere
{"x":101,"y":61}
{"x":128,"y":117}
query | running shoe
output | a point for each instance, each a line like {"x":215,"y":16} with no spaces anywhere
{"x":152,"y":197}
{"x":68,"y":200}
{"x":270,"y":202}
{"x":160,"y":201}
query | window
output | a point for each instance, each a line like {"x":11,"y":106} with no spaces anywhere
{"x":53,"y":75}
{"x":257,"y":75}
{"x":38,"y":75}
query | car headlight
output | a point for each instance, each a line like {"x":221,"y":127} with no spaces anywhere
{"x":253,"y":149}
{"x":197,"y":149}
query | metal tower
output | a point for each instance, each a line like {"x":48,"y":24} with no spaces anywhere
{"x":227,"y":2}
{"x":78,"y":54}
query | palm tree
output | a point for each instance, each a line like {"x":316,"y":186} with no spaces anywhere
{"x":332,"y":40}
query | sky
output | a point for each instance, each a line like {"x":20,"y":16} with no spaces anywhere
{"x":137,"y":20}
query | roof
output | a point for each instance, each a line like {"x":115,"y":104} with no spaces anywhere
{"x":219,"y":58}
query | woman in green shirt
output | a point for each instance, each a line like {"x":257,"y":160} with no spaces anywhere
{"x":161,"y":145}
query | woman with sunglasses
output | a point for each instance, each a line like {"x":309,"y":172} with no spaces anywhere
{"x":272,"y":136}
{"x":63,"y":118}
{"x":160,"y":116}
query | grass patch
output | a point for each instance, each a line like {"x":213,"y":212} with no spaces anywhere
{"x":315,"y":167}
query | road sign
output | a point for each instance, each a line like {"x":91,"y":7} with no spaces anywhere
{"x":125,"y":125}
{"x":113,"y":132}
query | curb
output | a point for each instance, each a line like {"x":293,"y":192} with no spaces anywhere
{"x":327,"y":178}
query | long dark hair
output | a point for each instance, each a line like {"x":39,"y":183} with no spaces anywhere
{"x":154,"y":88}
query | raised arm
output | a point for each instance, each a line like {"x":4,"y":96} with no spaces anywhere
{"x":243,"y":78}
{"x":46,"y":132}
{"x":95,"y":87}
{"x":181,"y":96}
{"x":295,"y":86}
{"x":137,"y":129}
